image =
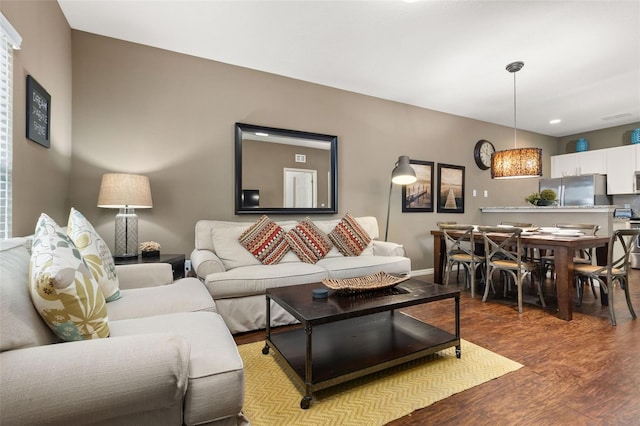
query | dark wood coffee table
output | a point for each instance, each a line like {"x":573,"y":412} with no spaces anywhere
{"x":344,"y":337}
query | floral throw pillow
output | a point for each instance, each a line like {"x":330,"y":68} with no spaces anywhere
{"x":95,"y":253}
{"x":265,"y":240}
{"x":61,"y":286}
{"x":308,"y":242}
{"x":349,"y":237}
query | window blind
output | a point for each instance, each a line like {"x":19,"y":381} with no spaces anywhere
{"x":9,"y":40}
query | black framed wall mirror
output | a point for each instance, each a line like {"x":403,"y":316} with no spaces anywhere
{"x":282,"y":171}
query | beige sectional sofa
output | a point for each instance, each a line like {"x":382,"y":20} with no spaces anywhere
{"x":238,"y":281}
{"x":169,"y":359}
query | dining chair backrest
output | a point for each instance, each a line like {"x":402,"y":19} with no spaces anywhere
{"x":627,"y":239}
{"x":587,"y":228}
{"x":517,"y":224}
{"x":505,"y":244}
{"x":458,"y":237}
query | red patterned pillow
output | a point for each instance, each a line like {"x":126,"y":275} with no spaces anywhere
{"x":265,"y":240}
{"x":349,"y":237}
{"x":308,"y":242}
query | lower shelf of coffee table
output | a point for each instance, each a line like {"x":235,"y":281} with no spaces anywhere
{"x":347,"y":349}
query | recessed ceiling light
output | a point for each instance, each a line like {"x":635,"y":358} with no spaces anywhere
{"x":555,"y":121}
{"x":262,"y":134}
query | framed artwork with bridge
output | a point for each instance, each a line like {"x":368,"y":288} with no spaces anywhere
{"x":451,"y":188}
{"x":418,"y":196}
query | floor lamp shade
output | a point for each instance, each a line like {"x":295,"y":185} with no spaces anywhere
{"x":402,"y":174}
{"x":125,"y":192}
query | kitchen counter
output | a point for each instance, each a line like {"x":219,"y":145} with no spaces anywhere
{"x":550,"y":215}
{"x":551,"y":209}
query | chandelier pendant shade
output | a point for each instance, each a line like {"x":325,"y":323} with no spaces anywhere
{"x":516,"y":162}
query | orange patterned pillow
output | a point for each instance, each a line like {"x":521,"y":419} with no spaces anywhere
{"x":265,"y":240}
{"x":349,"y":237}
{"x":308,"y":242}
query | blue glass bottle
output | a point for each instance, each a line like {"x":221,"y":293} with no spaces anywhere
{"x":635,"y":136}
{"x":582,"y":145}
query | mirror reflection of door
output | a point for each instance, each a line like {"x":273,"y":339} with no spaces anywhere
{"x":300,"y":188}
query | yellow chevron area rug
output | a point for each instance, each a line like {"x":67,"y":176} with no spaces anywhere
{"x":273,"y":398}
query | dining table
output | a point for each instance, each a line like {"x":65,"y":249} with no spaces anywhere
{"x":563,"y":247}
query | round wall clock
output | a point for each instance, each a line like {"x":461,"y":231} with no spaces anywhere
{"x":482,"y":154}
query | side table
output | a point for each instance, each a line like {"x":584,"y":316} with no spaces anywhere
{"x":175,"y":260}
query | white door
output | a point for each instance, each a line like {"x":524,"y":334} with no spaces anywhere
{"x":300,"y":190}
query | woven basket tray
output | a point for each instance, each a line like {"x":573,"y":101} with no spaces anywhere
{"x":367,"y":283}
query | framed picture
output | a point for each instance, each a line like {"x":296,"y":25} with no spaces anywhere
{"x":450,"y":188}
{"x":418,"y":196}
{"x":38,"y":113}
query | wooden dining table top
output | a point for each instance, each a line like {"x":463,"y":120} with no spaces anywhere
{"x":563,"y":247}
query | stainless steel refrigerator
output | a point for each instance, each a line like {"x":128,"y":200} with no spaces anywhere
{"x":584,"y":190}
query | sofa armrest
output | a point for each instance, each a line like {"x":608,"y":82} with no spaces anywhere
{"x":387,"y":248}
{"x":205,"y":262}
{"x":94,"y":380}
{"x":144,"y":275}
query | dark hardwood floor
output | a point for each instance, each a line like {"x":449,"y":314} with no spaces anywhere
{"x":582,"y":372}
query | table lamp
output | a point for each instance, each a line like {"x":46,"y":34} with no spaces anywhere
{"x":125,"y":192}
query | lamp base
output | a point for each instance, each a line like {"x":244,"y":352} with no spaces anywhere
{"x":126,"y":241}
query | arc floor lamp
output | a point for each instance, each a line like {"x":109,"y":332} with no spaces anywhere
{"x":402,"y":174}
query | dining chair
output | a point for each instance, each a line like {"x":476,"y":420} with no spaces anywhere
{"x":517,"y":224}
{"x":616,"y":269}
{"x":582,"y":256}
{"x":439,"y":224}
{"x":503,"y":253}
{"x":460,"y":250}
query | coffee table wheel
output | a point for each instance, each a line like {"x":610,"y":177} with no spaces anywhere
{"x":305,"y":402}
{"x":458,"y":353}
{"x":265,"y":350}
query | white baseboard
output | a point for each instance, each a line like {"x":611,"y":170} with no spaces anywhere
{"x":420,"y":272}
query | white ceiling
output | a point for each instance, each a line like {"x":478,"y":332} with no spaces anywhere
{"x":582,"y":58}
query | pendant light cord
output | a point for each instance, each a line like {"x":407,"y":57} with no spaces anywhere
{"x":515,"y":127}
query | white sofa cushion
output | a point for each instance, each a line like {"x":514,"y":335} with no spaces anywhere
{"x":257,"y":279}
{"x":224,"y":237}
{"x":20,"y":324}
{"x":185,"y":295}
{"x":351,"y":267}
{"x":215,"y":366}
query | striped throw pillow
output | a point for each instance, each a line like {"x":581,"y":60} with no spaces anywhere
{"x":308,"y":242}
{"x":265,"y":240}
{"x":349,"y":237}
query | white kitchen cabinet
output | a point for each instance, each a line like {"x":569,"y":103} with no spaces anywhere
{"x":579,"y":163}
{"x":621,"y":166}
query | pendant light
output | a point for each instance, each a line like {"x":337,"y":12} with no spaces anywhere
{"x":516,"y":162}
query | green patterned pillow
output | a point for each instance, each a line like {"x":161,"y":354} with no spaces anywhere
{"x":62,"y":288}
{"x":95,"y":253}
